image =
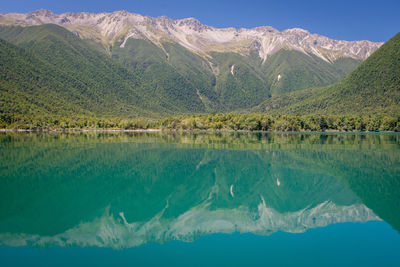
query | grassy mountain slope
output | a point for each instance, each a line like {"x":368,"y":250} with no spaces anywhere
{"x":228,"y":81}
{"x":244,"y":81}
{"x":29,"y":85}
{"x":91,"y":80}
{"x":238,"y":82}
{"x":186,"y":77}
{"x":60,"y":65}
{"x":300,"y":71}
{"x":373,"y":88}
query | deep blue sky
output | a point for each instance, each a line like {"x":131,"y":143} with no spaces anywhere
{"x":341,"y":19}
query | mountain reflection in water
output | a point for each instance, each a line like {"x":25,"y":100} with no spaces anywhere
{"x":127,"y":189}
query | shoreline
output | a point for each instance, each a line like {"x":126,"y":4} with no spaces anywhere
{"x":78,"y":130}
{"x":46,"y":130}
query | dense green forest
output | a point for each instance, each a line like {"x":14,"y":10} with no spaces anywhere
{"x":215,"y":122}
{"x":48,"y":70}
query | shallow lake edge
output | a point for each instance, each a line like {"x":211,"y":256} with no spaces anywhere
{"x":111,"y":130}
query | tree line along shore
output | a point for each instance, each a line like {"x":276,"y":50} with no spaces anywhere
{"x":230,"y":121}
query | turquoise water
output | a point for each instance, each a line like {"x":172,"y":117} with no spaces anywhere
{"x":232,"y":199}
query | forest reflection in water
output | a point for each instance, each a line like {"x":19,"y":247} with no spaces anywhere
{"x":124,"y":190}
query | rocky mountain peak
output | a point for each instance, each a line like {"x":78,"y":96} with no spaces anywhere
{"x":266,"y":29}
{"x":164,"y":21}
{"x":123,"y":13}
{"x":42,"y":12}
{"x":296,"y":31}
{"x":193,"y":24}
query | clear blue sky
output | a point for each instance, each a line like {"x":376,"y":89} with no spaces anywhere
{"x":347,"y":20}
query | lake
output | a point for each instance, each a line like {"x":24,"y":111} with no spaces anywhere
{"x":180,"y":199}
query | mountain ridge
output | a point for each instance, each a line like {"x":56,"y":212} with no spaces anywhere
{"x":119,"y":26}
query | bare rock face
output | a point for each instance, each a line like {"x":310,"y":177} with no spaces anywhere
{"x":193,"y":35}
{"x":193,"y":24}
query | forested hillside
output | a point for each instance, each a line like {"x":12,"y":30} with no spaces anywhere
{"x":373,"y":88}
{"x":49,"y":76}
{"x":48,"y":70}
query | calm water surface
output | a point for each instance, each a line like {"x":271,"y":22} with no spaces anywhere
{"x":231,"y":199}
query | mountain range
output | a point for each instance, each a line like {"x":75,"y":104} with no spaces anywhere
{"x":128,"y":65}
{"x":116,"y":28}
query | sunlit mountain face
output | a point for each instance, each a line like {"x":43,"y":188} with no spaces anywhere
{"x":122,"y":64}
{"x":126,"y":190}
{"x":118,"y":27}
